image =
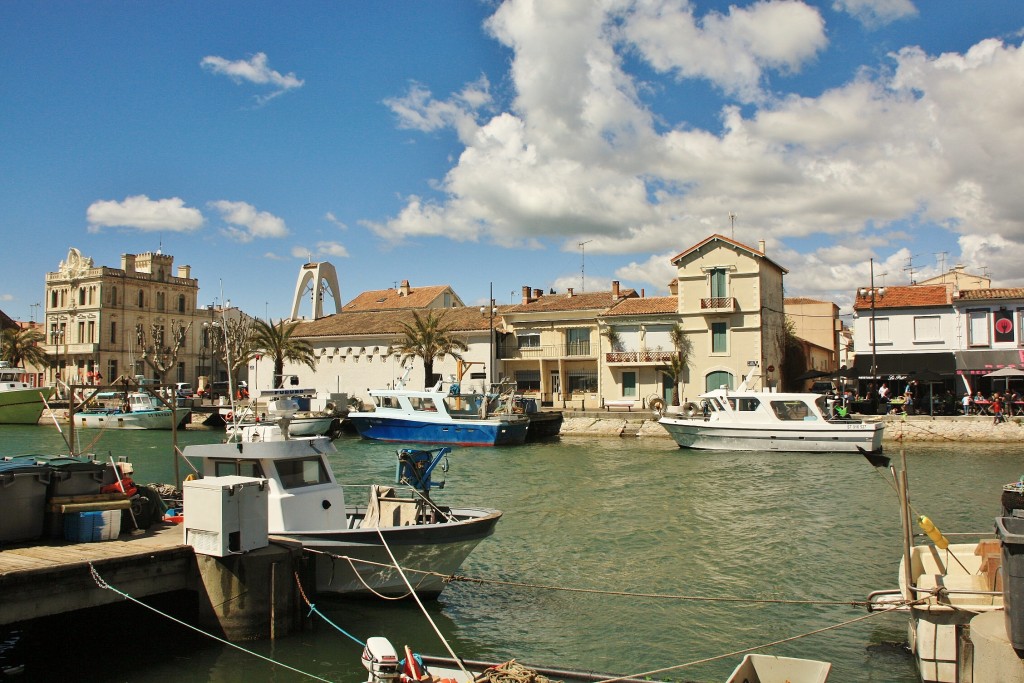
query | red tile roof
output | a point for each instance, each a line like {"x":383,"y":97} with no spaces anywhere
{"x":645,"y":306}
{"x":908,"y":296}
{"x":578,"y":301}
{"x":992,"y":293}
{"x":390,"y":299}
{"x":462,"y":319}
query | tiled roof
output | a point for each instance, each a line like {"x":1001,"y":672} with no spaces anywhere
{"x":391,"y":299}
{"x":801,"y":300}
{"x":6,"y":321}
{"x":910,"y":296}
{"x":722,"y":238}
{"x":992,"y":293}
{"x":462,"y":319}
{"x":645,"y":306}
{"x":579,"y":301}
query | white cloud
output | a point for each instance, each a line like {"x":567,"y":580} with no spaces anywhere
{"x":331,"y":218}
{"x":874,"y":13}
{"x":245,"y":223}
{"x":145,"y":214}
{"x":253,"y":70}
{"x":895,"y":155}
{"x":6,"y":297}
{"x":418,"y":110}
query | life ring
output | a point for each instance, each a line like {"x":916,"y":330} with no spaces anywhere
{"x":230,"y":416}
{"x":657,"y":405}
{"x":691,"y":409}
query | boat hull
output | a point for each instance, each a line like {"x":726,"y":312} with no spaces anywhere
{"x":158,"y":419}
{"x":23,"y":406}
{"x":427,"y":553}
{"x":456,"y":433}
{"x":827,"y":437}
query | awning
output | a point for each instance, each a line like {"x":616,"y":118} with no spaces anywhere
{"x":902,"y":365}
{"x":984,"y":362}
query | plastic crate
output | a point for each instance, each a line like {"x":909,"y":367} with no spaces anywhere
{"x":87,"y":527}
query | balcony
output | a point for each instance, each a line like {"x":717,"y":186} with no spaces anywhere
{"x":548,"y":352}
{"x":718,"y":303}
{"x":638,"y":357}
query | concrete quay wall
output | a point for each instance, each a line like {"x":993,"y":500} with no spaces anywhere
{"x":918,"y":428}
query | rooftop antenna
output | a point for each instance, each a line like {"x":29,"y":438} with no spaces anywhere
{"x":583,"y":265}
{"x":910,"y":267}
{"x":942,"y":260}
{"x":732,"y":225}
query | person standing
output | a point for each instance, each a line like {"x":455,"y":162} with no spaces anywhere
{"x":966,"y":402}
{"x":997,"y":410}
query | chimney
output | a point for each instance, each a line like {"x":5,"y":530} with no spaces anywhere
{"x":537,"y":293}
{"x":615,"y":290}
{"x":526,"y":294}
{"x":185,"y":272}
{"x":569,"y":292}
{"x":403,"y":289}
{"x":128,"y":263}
{"x":760,"y":246}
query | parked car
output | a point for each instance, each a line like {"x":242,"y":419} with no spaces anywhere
{"x":183,"y":390}
{"x":825,"y":388}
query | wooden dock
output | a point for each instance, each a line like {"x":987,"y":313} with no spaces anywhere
{"x":45,"y":578}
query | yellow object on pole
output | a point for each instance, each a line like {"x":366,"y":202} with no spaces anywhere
{"x":940,"y":541}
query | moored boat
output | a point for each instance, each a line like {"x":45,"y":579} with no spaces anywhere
{"x":133,"y":410}
{"x":20,"y":402}
{"x":745,"y":420}
{"x":443,"y":416}
{"x":352,"y":542}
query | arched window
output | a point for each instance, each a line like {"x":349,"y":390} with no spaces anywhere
{"x":716,"y":379}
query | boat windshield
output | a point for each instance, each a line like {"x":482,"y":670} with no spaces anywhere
{"x":240,"y":468}
{"x":302,"y":472}
{"x":744,"y":404}
{"x":422,"y":403}
{"x":792,"y":409}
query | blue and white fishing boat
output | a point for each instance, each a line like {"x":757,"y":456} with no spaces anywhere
{"x":134,"y":410}
{"x":442,"y":416}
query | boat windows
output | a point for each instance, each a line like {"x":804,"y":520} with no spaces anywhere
{"x":715,"y":404}
{"x":745,"y":404}
{"x":302,"y":472}
{"x":239,"y":468}
{"x":386,"y":401}
{"x":423,"y":404}
{"x":791,"y":410}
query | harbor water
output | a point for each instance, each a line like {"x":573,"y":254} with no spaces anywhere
{"x":618,"y":555}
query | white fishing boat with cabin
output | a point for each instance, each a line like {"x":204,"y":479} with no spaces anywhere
{"x":131,"y":410}
{"x":745,"y":419}
{"x":350,"y":541}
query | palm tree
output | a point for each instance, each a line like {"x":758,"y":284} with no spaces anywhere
{"x":680,"y":361}
{"x":23,"y":347}
{"x":277,"y":342}
{"x":428,"y":338}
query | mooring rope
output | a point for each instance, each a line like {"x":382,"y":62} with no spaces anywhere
{"x":314,"y":610}
{"x":101,"y":582}
{"x":452,"y":578}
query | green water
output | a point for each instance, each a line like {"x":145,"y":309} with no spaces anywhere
{"x":621,"y":518}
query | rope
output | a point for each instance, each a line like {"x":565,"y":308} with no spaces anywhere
{"x":449,"y":578}
{"x":106,"y":586}
{"x":314,"y":610}
{"x":423,"y":609}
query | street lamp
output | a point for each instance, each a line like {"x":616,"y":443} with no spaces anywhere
{"x":873,"y":292}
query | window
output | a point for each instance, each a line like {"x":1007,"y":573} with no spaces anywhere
{"x":581,"y":381}
{"x":113,"y":332}
{"x":302,"y":472}
{"x":977,"y":328}
{"x":53,"y":299}
{"x":528,"y":341}
{"x":181,"y":372}
{"x":424,"y":404}
{"x":81,"y":296}
{"x":717,"y":379}
{"x":181,"y":303}
{"x":528,"y":380}
{"x":719,"y":337}
{"x":237,"y":468}
{"x":578,"y":341}
{"x":881,"y":331}
{"x":629,"y":385}
{"x":112,"y":369}
{"x":141,"y":299}
{"x":160,"y":301}
{"x":926,"y":328}
{"x":91,"y":332}
{"x":719,"y":286}
{"x":81,"y":332}
{"x":113,"y":296}
{"x":791,"y":410}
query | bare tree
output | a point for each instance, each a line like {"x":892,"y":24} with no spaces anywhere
{"x":159,"y":348}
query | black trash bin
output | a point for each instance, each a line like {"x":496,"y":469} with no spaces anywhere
{"x":1011,"y":539}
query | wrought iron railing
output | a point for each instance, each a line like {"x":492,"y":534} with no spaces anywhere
{"x":639,"y":356}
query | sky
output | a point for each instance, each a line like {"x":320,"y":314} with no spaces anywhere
{"x":494,"y":145}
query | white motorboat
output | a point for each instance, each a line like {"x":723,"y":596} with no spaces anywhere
{"x":754,"y":420}
{"x":443,"y":416}
{"x":284,"y":403}
{"x":132,"y":410}
{"x":20,"y":402}
{"x":350,"y":541}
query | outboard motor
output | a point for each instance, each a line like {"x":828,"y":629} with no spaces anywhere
{"x":380,"y":660}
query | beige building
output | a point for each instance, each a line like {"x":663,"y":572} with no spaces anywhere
{"x":817,"y":325}
{"x":139,"y":319}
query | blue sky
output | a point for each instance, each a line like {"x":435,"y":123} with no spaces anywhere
{"x":471,"y":143}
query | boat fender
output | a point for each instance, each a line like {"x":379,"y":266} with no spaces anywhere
{"x":230,"y":416}
{"x":940,"y":541}
{"x":190,"y":477}
{"x":691,"y":409}
{"x":657,"y":405}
